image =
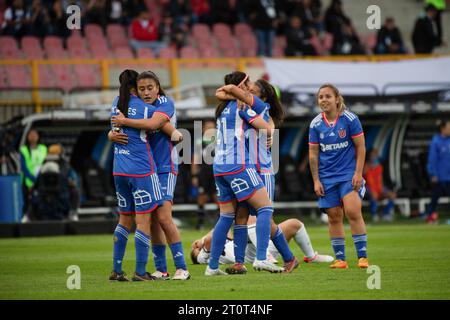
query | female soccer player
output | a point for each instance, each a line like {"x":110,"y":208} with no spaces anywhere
{"x":336,"y":158}
{"x":236,"y":179}
{"x":165,"y":155}
{"x":137,"y":187}
{"x":260,"y":153}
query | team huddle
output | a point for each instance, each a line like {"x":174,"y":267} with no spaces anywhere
{"x":145,"y":172}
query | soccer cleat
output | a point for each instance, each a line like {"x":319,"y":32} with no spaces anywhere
{"x":116,"y":276}
{"x":214,"y":272}
{"x":181,"y":274}
{"x":339,"y":264}
{"x":161,"y":275}
{"x":237,"y":268}
{"x":318,"y":258}
{"x":432,"y":218}
{"x":146,"y":277}
{"x":291,"y":265}
{"x":260,"y":265}
{"x":363,"y":263}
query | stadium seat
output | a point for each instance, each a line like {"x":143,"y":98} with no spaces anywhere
{"x":145,"y":53}
{"x":116,"y":36}
{"x":123,"y":53}
{"x":18,"y":77}
{"x":242,"y":28}
{"x":75,"y":41}
{"x":93,"y":31}
{"x":46,"y":76}
{"x":88,"y":76}
{"x":9,"y":48}
{"x":221,"y":29}
{"x":190,"y":52}
{"x":52,"y":42}
{"x":168,"y":53}
{"x":100,"y":51}
{"x":200,"y":30}
{"x":315,"y":42}
{"x":327,"y":41}
{"x":31,"y":48}
{"x":370,"y":42}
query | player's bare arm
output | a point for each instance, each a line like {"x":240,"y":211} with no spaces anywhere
{"x":360,"y":151}
{"x":314,"y":166}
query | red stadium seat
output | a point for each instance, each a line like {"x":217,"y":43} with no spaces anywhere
{"x":9,"y":48}
{"x":46,"y":76}
{"x":18,"y":77}
{"x":123,"y":53}
{"x":31,"y":47}
{"x":145,"y":53}
{"x":327,"y":41}
{"x":116,"y":36}
{"x":168,"y":53}
{"x":100,"y":51}
{"x":201,"y":31}
{"x":190,"y":52}
{"x":75,"y":41}
{"x":93,"y":30}
{"x":53,"y":42}
{"x":88,"y":76}
{"x":79,"y":53}
{"x":221,"y":29}
{"x":242,"y":28}
{"x":370,"y":42}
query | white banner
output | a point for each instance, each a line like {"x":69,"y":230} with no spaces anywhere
{"x":361,"y":78}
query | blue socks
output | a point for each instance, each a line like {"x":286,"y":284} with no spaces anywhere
{"x":264,"y":214}
{"x":120,"y":243}
{"x":282,"y":245}
{"x":390,"y":205}
{"x":338,"y":245}
{"x":219,"y":237}
{"x":142,"y":244}
{"x":360,"y":241}
{"x":240,"y":242}
{"x":159,"y":255}
{"x":178,"y":255}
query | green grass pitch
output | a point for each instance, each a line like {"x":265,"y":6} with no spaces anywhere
{"x":414,"y":261}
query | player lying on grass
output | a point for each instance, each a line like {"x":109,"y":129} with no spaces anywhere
{"x":291,"y":228}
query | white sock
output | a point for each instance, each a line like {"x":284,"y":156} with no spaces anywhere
{"x":251,"y":229}
{"x":303,"y":241}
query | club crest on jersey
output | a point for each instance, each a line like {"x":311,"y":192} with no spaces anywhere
{"x":251,"y":112}
{"x":342,"y":133}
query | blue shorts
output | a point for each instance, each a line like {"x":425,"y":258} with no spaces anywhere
{"x":334,"y":193}
{"x":167,"y":182}
{"x":269,"y":182}
{"x":240,"y":186}
{"x":138,"y":195}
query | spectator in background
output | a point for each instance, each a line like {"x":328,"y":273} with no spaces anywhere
{"x":58,"y":20}
{"x":335,"y":19}
{"x":376,"y":190}
{"x":51,"y":197}
{"x":298,"y":39}
{"x":180,"y":10}
{"x":439,"y":168}
{"x":424,"y":36}
{"x":96,"y":12}
{"x":132,"y":9}
{"x":347,"y":41}
{"x":200,"y":11}
{"x":389,"y":39}
{"x":262,"y":16}
{"x":39,"y":20}
{"x":15,"y":20}
{"x":116,"y":11}
{"x":309,"y":11}
{"x":225,"y":11}
{"x":32,"y":155}
{"x":144,"y":33}
{"x":202,"y":173}
{"x":440,"y":7}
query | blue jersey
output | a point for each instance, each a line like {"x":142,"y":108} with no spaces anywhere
{"x":134,"y":159}
{"x":260,"y":154}
{"x":337,"y":159}
{"x":165,"y":154}
{"x":231,"y":152}
{"x":439,"y":158}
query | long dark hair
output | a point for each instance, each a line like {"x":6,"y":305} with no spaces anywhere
{"x":232,"y":78}
{"x":269,"y":95}
{"x":152,"y":75}
{"x":127,"y":81}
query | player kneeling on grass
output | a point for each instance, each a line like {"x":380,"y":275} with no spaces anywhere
{"x":291,"y":228}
